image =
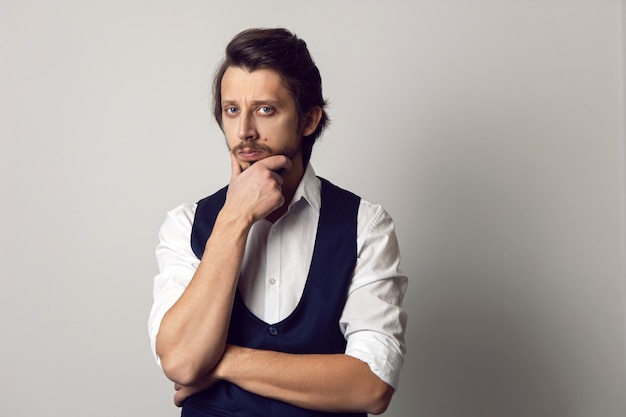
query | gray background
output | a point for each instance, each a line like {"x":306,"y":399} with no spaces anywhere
{"x":493,"y":132}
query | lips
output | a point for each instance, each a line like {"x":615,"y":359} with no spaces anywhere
{"x":250,"y":153}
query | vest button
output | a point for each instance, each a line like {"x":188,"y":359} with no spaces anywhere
{"x":272,"y":330}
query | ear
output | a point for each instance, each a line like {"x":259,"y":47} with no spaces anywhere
{"x":311,"y":120}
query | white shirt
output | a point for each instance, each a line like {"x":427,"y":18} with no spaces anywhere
{"x":275,"y":267}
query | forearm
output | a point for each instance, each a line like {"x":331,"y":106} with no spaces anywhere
{"x":332,"y":383}
{"x":193,"y":332}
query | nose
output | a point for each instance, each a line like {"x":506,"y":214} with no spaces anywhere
{"x":247,"y":128}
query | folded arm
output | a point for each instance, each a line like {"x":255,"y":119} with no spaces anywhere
{"x":192,"y":334}
{"x":330,"y":383}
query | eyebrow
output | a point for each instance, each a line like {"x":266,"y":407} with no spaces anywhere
{"x":271,"y":102}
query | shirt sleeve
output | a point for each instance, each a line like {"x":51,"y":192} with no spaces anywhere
{"x":177,"y":264}
{"x":373,"y":319}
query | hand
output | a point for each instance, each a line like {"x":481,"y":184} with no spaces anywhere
{"x":256,"y":192}
{"x":184,"y":392}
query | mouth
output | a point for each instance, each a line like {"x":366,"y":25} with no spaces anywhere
{"x":250,"y":154}
{"x":247,"y":158}
{"x":247,"y":154}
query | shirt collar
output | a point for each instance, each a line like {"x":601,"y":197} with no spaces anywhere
{"x":308,"y":189}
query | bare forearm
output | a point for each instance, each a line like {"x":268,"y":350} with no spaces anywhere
{"x":193,"y":333}
{"x":332,"y":383}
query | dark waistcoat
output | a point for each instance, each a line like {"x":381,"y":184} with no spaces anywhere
{"x":313,"y":327}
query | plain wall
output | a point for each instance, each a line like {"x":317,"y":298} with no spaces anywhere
{"x":492,"y":131}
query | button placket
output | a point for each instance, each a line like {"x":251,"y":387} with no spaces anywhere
{"x":272,"y":274}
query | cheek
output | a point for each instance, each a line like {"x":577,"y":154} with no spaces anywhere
{"x":230,"y":134}
{"x":268,"y":131}
{"x":283,"y":129}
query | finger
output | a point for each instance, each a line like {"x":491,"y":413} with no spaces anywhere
{"x":177,"y":401}
{"x":235,"y":168}
{"x":276,"y":162}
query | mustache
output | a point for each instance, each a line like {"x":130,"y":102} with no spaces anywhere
{"x":253,"y":146}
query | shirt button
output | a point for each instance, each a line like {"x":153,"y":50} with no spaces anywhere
{"x":272,"y":330}
{"x":273,"y":281}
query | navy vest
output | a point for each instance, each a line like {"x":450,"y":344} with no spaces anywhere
{"x":313,"y":327}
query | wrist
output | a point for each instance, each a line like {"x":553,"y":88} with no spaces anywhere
{"x":233,"y":226}
{"x":233,"y":356}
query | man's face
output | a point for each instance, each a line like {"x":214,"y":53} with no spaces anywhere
{"x":259,"y":116}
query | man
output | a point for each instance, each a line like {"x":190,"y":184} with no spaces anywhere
{"x":279,"y":295}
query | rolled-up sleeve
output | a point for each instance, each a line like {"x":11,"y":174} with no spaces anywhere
{"x":177,"y":264}
{"x":373,"y":319}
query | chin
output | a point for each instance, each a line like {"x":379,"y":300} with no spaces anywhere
{"x":247,"y":164}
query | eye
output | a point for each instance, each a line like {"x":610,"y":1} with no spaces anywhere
{"x":230,"y":110}
{"x":266,"y":110}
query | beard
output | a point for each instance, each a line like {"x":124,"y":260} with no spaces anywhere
{"x":254,"y":146}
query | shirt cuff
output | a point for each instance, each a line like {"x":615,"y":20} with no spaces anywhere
{"x":383,"y":355}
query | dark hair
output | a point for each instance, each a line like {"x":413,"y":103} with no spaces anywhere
{"x":281,"y":51}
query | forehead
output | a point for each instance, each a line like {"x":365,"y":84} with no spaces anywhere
{"x":240,"y":84}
